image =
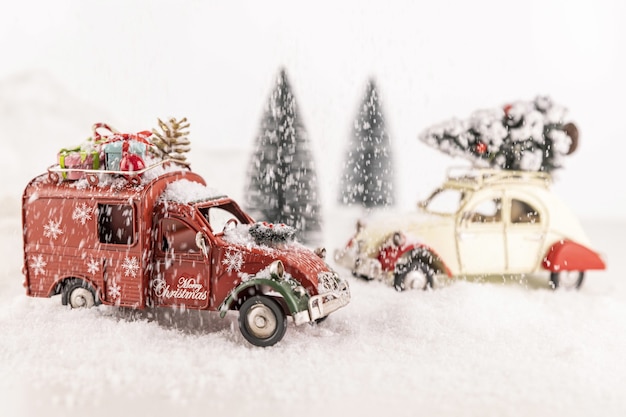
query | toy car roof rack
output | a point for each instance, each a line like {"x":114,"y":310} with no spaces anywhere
{"x":93,"y":176}
{"x":480,"y":176}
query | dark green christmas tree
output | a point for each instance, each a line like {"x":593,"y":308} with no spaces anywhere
{"x":368,"y":178}
{"x":523,"y":136}
{"x":282,"y":182}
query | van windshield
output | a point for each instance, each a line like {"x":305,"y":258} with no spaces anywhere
{"x":221,"y":215}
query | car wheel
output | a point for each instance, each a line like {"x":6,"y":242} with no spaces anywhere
{"x":568,"y":280}
{"x":416,"y":276}
{"x":361,"y":276}
{"x":79,"y":294}
{"x":262,"y":321}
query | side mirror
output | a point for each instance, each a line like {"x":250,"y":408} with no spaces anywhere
{"x":320,"y":252}
{"x":201,"y":244}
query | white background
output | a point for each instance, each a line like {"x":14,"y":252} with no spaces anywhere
{"x":472,"y":348}
{"x":216,"y":62}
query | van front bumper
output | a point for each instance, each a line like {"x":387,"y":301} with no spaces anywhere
{"x":321,"y":305}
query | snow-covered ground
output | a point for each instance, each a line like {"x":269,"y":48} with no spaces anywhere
{"x":512,"y":348}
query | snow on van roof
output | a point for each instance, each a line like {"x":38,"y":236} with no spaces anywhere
{"x":185,"y":191}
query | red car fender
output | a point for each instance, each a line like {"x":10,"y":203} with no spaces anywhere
{"x":389,"y":255}
{"x":566,"y":255}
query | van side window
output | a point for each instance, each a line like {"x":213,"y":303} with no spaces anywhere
{"x":115,"y":224}
{"x":178,"y":237}
{"x":522,"y":212}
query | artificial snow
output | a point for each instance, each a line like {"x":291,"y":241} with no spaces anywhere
{"x":496,"y":346}
{"x":240,"y":235}
{"x":185,"y":191}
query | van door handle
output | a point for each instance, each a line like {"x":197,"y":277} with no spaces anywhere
{"x":465,"y":235}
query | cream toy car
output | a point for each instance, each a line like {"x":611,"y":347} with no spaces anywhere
{"x":478,"y":223}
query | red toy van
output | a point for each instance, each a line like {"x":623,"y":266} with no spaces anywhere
{"x":161,"y":238}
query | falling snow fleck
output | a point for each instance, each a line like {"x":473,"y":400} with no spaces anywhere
{"x":93,"y":266}
{"x":130,"y":266}
{"x":38,"y":265}
{"x":114,"y":291}
{"x":82,"y":213}
{"x":52,"y":229}
{"x":233,"y":261}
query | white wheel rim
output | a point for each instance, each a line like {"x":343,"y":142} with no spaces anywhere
{"x":569,"y":279}
{"x":261,"y":321}
{"x":415,"y":280}
{"x":81,"y":298}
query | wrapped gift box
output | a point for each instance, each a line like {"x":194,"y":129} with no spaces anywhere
{"x":113,"y":152}
{"x":79,"y":158}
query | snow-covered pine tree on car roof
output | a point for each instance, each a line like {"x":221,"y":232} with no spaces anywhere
{"x":523,"y":135}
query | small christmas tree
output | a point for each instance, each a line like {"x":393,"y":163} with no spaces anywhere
{"x":367,"y":178}
{"x":282,"y":185}
{"x":172,"y":141}
{"x":525,"y":135}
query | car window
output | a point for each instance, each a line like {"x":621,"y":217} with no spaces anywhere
{"x":487,"y":211}
{"x":444,"y":201}
{"x":218,"y":217}
{"x":115,"y":224}
{"x":523,"y":212}
{"x":178,"y":237}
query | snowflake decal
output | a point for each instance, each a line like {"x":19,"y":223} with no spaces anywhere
{"x":114,"y":291}
{"x":38,"y":265}
{"x":52,"y":229}
{"x":93,"y":266}
{"x":82,"y":213}
{"x":233,"y":261}
{"x":131,"y":266}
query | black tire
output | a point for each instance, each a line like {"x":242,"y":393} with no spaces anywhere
{"x":262,"y":321}
{"x":416,"y":275}
{"x":357,"y":275}
{"x":567,"y":280}
{"x":79,"y":294}
{"x":361,"y":277}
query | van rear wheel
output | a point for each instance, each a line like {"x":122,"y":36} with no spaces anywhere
{"x":262,"y":321}
{"x":79,"y":294}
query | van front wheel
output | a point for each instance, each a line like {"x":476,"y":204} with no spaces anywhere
{"x":262,"y":321}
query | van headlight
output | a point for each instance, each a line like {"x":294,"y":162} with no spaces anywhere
{"x":277,"y":269}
